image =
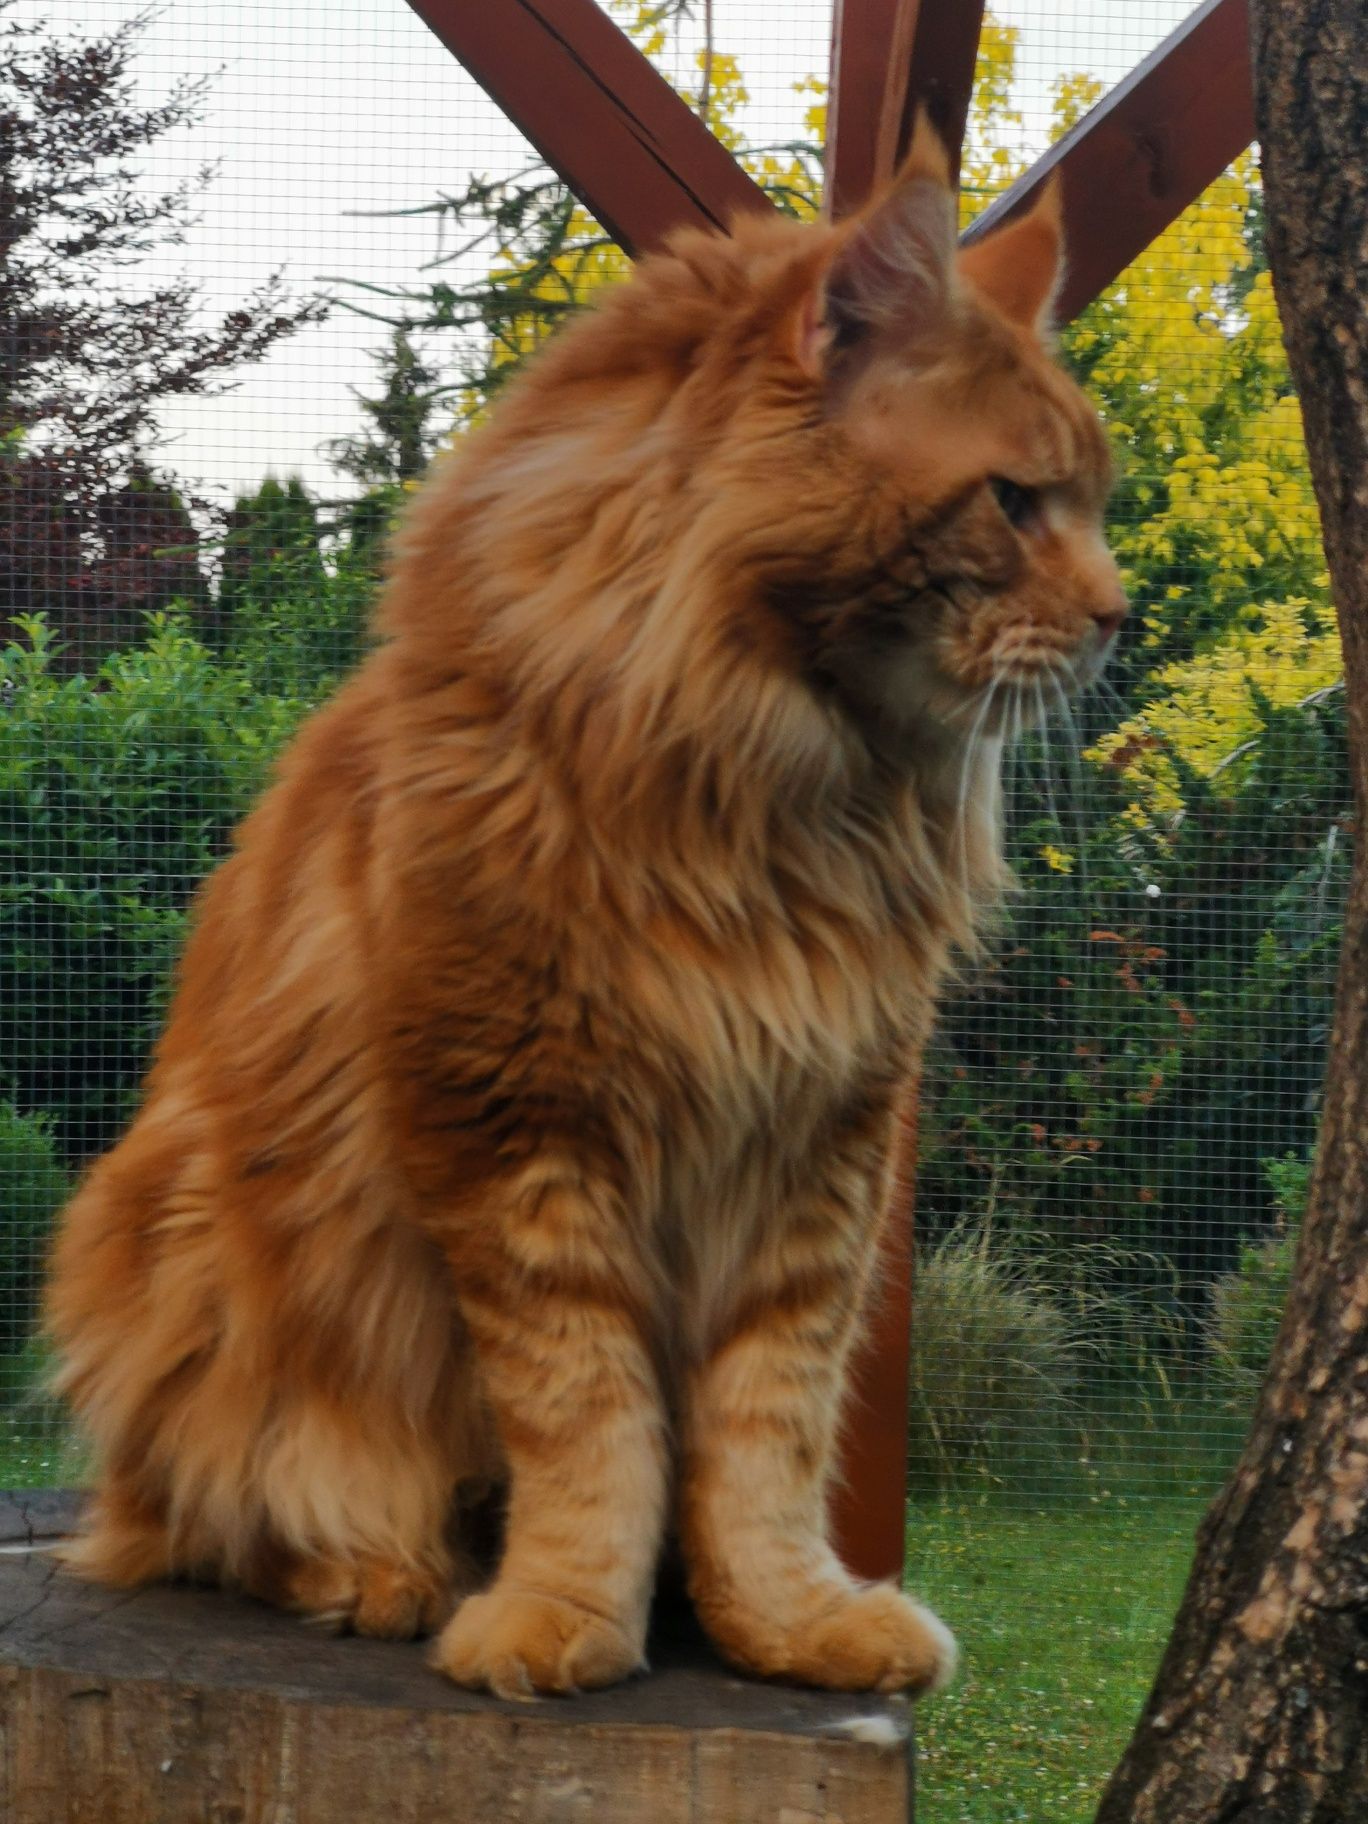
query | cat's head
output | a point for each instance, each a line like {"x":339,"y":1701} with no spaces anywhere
{"x":808,"y":463}
{"x":963,"y":565}
{"x":910,"y":479}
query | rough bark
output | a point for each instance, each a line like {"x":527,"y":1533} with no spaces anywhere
{"x":1260,"y":1710}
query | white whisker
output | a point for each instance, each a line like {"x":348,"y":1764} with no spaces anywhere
{"x":1108,"y":693}
{"x":1012,"y":739}
{"x":970,"y":702}
{"x":971,"y":747}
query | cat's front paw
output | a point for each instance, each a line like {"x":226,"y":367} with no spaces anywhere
{"x":877,"y":1640}
{"x":870,"y":1639}
{"x":518,"y":1643}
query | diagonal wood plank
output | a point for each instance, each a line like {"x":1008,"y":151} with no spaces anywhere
{"x":1147,"y":150}
{"x":570,"y":78}
{"x":889,"y":57}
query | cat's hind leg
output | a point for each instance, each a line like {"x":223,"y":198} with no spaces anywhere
{"x":123,"y":1538}
{"x":306,"y":1451}
{"x":363,"y":1593}
{"x":124,"y":1541}
{"x":358,"y":1530}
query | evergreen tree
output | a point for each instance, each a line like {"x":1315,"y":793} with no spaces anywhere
{"x":546,"y":255}
{"x":404,"y":422}
{"x":270,"y":550}
{"x":395,"y":443}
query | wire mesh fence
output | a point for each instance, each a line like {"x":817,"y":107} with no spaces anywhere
{"x":257,"y":263}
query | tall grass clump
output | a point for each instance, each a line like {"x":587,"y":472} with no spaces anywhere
{"x":997,"y":1365}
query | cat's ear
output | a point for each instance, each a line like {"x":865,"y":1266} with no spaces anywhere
{"x":891,"y":276}
{"x":1021,"y":267}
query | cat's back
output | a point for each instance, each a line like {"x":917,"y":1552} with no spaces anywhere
{"x":275,"y":954}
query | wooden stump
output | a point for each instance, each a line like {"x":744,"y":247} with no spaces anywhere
{"x":174,"y":1705}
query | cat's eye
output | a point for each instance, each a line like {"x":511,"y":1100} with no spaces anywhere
{"x":1019,"y":504}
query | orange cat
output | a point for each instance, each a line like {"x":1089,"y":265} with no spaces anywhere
{"x":527,"y":1103}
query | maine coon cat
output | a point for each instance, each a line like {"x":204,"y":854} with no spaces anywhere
{"x":527,"y":1104}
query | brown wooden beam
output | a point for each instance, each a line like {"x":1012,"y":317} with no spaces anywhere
{"x":888,"y":58}
{"x":1147,"y":150}
{"x":871,"y":58}
{"x":941,"y":79}
{"x":567,"y":76}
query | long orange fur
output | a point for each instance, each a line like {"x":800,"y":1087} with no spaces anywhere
{"x":526,"y":1108}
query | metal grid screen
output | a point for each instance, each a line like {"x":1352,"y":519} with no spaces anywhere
{"x":256,"y":262}
{"x":1121,"y":1107}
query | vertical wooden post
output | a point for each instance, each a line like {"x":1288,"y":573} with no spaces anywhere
{"x":871,"y":1499}
{"x":889,"y":58}
{"x":871,"y":58}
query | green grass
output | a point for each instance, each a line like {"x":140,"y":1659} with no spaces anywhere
{"x":1061,"y":1617}
{"x":36,"y":1448}
{"x":29,"y":1462}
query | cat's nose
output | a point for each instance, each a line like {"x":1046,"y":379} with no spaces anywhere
{"x":1108,"y":616}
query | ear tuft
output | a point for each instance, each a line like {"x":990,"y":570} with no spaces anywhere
{"x":1020,"y":266}
{"x":892,"y":274}
{"x":927,"y":155}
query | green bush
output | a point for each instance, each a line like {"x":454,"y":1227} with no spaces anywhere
{"x":35,"y":1445}
{"x":117,"y":795}
{"x":303,"y":638}
{"x":1289,"y":1179}
{"x":1247,"y":1303}
{"x":32,"y":1188}
{"x":288,"y":618}
{"x":996,"y":1368}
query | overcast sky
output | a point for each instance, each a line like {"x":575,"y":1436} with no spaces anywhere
{"x":322,"y":111}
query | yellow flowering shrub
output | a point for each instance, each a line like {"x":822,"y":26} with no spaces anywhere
{"x":1211,"y":706}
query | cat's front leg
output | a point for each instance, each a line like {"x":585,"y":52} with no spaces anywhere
{"x":761,"y":1424}
{"x":557,"y":1333}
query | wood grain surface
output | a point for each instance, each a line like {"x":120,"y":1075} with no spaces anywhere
{"x":175,"y":1705}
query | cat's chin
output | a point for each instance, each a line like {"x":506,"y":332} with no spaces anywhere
{"x":928,"y":730}
{"x":930,"y":724}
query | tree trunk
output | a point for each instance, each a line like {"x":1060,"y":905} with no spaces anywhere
{"x":1260,"y":1711}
